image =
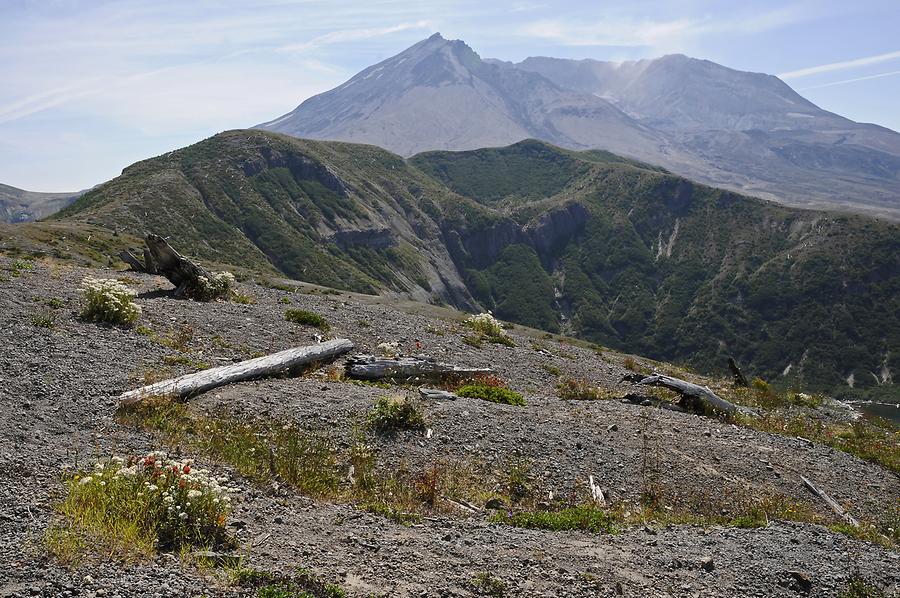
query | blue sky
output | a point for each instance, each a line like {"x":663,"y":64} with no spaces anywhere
{"x":92,"y":86}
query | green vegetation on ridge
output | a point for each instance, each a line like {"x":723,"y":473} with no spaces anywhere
{"x":601,"y":247}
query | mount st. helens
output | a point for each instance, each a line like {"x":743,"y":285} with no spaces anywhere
{"x":748,"y":132}
{"x":589,"y":243}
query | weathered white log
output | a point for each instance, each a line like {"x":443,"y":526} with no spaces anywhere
{"x":369,"y":367}
{"x":837,"y":508}
{"x":465,"y":506}
{"x":693,"y":396}
{"x":437,"y":394}
{"x":260,"y":367}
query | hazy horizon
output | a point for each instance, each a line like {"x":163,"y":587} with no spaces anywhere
{"x":92,"y":87}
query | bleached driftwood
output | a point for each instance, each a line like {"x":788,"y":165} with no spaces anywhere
{"x":837,"y":508}
{"x":696,"y":398}
{"x":370,"y":367}
{"x":161,"y":258}
{"x":260,"y":367}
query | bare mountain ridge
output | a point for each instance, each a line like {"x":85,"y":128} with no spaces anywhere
{"x":18,"y":205}
{"x":748,"y":132}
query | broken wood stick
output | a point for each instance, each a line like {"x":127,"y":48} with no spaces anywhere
{"x":134,"y":263}
{"x":837,"y":508}
{"x":260,"y":367}
{"x":696,"y":398}
{"x":161,"y":258}
{"x":737,"y":374}
{"x":596,"y":491}
{"x":369,"y":367}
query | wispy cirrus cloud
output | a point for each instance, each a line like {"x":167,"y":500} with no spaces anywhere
{"x":613,"y":30}
{"x":853,"y":80}
{"x":347,"y":35}
{"x":841,"y":65}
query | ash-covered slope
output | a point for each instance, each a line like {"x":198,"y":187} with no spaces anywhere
{"x":625,"y":254}
{"x":748,"y":132}
{"x":18,"y":205}
{"x":745,"y":130}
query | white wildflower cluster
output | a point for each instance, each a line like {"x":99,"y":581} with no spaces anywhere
{"x":486,"y":324}
{"x":109,"y":300}
{"x":217,"y":286}
{"x":389,"y":350}
{"x":183,"y":501}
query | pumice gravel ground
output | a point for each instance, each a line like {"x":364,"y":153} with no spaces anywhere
{"x":58,"y":389}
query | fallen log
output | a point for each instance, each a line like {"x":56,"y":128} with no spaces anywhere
{"x":837,"y":508}
{"x":696,"y":398}
{"x":370,"y":367}
{"x":260,"y":367}
{"x":190,"y":279}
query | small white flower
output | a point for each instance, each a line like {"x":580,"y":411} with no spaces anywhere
{"x":86,"y":480}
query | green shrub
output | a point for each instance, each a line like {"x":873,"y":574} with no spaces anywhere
{"x":20,"y":266}
{"x":305,"y":584}
{"x":140,"y":505}
{"x":44,"y":319}
{"x":494,"y":394}
{"x":110,"y":301}
{"x":572,"y":389}
{"x":217,"y":286}
{"x":761,"y":385}
{"x":486,"y":328}
{"x":393,"y":414}
{"x":307,"y":318}
{"x":280,"y":591}
{"x":242,"y":298}
{"x":586,"y":518}
{"x":551,"y":369}
{"x":485,"y":324}
{"x":860,"y":587}
{"x":486,"y":584}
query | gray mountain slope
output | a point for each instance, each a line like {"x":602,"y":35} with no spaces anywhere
{"x":440,"y":94}
{"x":744,"y":131}
{"x":18,"y":205}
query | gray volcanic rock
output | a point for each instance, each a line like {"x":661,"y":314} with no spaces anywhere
{"x":748,"y":132}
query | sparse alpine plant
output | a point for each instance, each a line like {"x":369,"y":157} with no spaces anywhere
{"x":485,"y":323}
{"x":109,"y":300}
{"x":171,"y":502}
{"x":217,"y":286}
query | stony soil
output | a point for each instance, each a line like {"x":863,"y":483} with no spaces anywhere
{"x":57,"y":398}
